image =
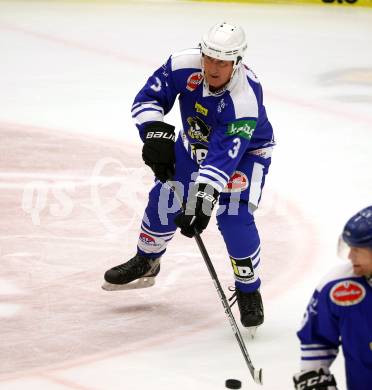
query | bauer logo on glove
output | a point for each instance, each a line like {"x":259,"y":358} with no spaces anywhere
{"x":206,"y":196}
{"x":160,"y":134}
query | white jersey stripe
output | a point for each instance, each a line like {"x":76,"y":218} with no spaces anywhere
{"x":147,"y":105}
{"x":148,"y":116}
{"x":319,"y":346}
{"x":252,"y":256}
{"x":217,"y":170}
{"x":147,"y":102}
{"x":147,"y":230}
{"x":216,"y":176}
{"x":319,"y":353}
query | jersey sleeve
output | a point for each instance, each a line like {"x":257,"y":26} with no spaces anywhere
{"x":319,"y":335}
{"x":156,"y":98}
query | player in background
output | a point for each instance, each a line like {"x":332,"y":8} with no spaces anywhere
{"x":221,"y":155}
{"x":340,"y":314}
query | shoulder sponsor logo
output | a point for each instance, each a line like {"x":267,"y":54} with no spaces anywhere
{"x":200,"y":109}
{"x":238,"y":182}
{"x":193,"y":81}
{"x":243,"y":129}
{"x":347,"y":293}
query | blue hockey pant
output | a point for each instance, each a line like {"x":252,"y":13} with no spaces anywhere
{"x":235,"y":217}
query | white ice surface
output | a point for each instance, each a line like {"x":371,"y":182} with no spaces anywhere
{"x":73,"y":189}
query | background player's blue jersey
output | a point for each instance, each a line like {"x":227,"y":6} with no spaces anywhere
{"x":217,"y":128}
{"x":340,"y":313}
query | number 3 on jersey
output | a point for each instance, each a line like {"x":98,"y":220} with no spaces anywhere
{"x":235,"y":149}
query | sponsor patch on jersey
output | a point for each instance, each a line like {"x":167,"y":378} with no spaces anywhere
{"x":243,"y":269}
{"x":200,"y":109}
{"x":347,"y":293}
{"x":238,"y":182}
{"x":243,"y":129}
{"x":193,"y":81}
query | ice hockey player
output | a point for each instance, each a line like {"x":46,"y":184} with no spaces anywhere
{"x":340,"y":314}
{"x":221,"y":155}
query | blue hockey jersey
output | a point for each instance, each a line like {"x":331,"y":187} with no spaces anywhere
{"x":217,"y":128}
{"x":340,"y":313}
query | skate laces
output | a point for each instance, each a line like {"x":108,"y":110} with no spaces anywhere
{"x":247,"y":300}
{"x":233,"y":297}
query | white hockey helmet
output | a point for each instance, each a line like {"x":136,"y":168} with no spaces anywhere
{"x":224,"y":42}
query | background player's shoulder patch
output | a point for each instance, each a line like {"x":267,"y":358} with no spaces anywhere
{"x":347,"y":293}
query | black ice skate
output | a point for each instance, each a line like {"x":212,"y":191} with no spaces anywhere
{"x":138,"y":272}
{"x":251,"y":309}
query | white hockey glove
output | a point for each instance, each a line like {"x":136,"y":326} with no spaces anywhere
{"x":320,"y":379}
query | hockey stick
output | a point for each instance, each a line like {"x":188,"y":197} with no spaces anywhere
{"x":256,"y":374}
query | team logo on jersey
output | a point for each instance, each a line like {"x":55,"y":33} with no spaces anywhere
{"x":243,"y":129}
{"x":198,"y":152}
{"x":347,"y":293}
{"x":200,"y":109}
{"x":243,"y":269}
{"x":198,"y":130}
{"x":194,"y":80}
{"x":238,"y":182}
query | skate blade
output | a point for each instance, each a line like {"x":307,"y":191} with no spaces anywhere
{"x":144,"y":282}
